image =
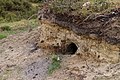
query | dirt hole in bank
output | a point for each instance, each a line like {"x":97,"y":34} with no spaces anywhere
{"x":71,"y":48}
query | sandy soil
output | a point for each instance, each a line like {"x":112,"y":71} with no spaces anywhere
{"x":18,"y":61}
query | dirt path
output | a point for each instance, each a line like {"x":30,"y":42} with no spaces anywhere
{"x":18,"y":61}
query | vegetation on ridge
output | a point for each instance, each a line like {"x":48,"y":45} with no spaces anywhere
{"x":15,"y":10}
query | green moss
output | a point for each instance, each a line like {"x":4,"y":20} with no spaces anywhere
{"x":54,"y":65}
{"x":2,"y":36}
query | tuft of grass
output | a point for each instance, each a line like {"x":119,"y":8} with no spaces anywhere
{"x":17,"y":27}
{"x":54,"y":65}
{"x":23,"y":23}
{"x":5,"y":28}
{"x":2,"y":36}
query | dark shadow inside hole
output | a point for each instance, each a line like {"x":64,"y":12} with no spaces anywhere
{"x":71,"y":48}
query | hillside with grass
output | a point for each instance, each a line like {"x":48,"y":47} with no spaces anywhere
{"x":59,"y":40}
{"x":15,"y":10}
{"x":14,"y":15}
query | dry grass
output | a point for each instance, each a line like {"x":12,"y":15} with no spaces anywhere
{"x":22,"y":23}
{"x":17,"y":27}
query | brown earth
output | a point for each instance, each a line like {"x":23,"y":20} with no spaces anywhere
{"x":26,"y":56}
{"x":21,"y":60}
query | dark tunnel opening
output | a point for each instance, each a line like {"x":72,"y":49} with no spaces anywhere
{"x":71,"y":48}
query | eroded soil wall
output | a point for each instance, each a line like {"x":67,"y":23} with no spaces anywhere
{"x":56,"y":38}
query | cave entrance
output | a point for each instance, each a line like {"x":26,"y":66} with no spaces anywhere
{"x":71,"y":48}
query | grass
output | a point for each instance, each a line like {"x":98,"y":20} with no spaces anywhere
{"x":2,"y":36}
{"x":12,"y":10}
{"x":16,"y":27}
{"x":76,"y":7}
{"x":5,"y":28}
{"x":54,"y":65}
{"x":22,"y":23}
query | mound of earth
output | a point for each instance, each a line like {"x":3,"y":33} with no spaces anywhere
{"x":26,"y":56}
{"x":84,"y":56}
{"x":105,"y":26}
